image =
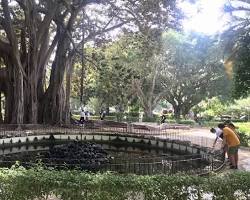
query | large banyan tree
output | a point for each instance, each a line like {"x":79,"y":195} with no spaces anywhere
{"x":31,"y":32}
{"x":39,"y":40}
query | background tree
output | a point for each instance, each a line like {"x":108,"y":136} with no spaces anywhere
{"x":150,"y":19}
{"x":236,"y":42}
{"x":191,"y":66}
{"x":126,"y":70}
{"x":142,"y":63}
{"x":110,"y":74}
{"x":33,"y":31}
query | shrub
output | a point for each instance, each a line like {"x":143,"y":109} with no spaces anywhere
{"x":133,"y":114}
{"x":38,"y":183}
{"x":154,"y":118}
{"x":244,"y":139}
{"x":188,"y":122}
{"x":182,"y":121}
{"x":244,"y":127}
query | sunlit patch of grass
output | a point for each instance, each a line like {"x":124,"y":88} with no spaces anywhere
{"x":243,"y":127}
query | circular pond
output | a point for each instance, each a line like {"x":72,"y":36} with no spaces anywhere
{"x":123,"y":154}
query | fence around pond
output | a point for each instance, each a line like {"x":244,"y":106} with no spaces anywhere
{"x":152,"y":165}
{"x":172,"y":132}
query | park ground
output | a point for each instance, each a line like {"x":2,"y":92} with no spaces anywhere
{"x":202,"y":136}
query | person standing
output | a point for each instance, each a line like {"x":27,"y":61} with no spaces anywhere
{"x":83,"y":116}
{"x":102,"y":114}
{"x":87,"y":115}
{"x":233,"y":128}
{"x":233,"y":143}
{"x":163,"y":118}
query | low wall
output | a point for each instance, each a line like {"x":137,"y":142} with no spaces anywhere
{"x":177,"y":146}
{"x":121,"y":142}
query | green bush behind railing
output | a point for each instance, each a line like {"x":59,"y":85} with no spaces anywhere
{"x":38,"y":183}
{"x":244,"y":139}
{"x":244,"y":127}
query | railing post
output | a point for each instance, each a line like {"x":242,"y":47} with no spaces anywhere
{"x":212,"y":163}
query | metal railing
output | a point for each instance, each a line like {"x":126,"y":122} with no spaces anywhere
{"x":168,"y":134}
{"x":195,"y":164}
{"x":202,"y":164}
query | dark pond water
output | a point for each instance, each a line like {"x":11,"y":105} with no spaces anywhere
{"x":103,"y":157}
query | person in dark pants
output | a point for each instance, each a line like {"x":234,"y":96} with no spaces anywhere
{"x":102,"y":114}
{"x":163,"y":118}
{"x":233,"y":142}
{"x":82,"y":118}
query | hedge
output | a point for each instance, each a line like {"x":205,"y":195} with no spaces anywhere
{"x":39,"y":183}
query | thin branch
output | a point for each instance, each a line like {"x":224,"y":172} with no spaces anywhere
{"x":91,"y":36}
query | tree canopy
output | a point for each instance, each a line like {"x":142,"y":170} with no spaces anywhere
{"x":51,"y":50}
{"x":47,"y":34}
{"x":237,"y":40}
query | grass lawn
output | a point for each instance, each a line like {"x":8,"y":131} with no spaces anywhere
{"x":243,"y":127}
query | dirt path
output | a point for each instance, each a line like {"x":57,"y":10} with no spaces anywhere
{"x":244,"y":153}
{"x":202,"y":136}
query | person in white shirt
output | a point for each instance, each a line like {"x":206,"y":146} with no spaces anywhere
{"x":83,"y":116}
{"x":219,"y":134}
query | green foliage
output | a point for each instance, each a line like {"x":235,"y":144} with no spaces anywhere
{"x":187,"y":122}
{"x":239,"y":107}
{"x":237,"y":49}
{"x":111,"y":73}
{"x":154,"y":118}
{"x":243,"y":127}
{"x":215,"y":107}
{"x":94,"y":105}
{"x":180,"y":121}
{"x":191,"y":70}
{"x":244,"y":139}
{"x":127,"y":117}
{"x":210,"y":108}
{"x":241,"y":76}
{"x":210,"y":124}
{"x":38,"y":183}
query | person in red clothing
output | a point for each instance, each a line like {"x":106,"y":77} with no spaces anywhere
{"x":233,"y":142}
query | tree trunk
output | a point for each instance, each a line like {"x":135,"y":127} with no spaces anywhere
{"x":27,"y":100}
{"x":31,"y":67}
{"x":14,"y":98}
{"x":148,"y":112}
{"x":3,"y":91}
{"x":177,"y":112}
{"x":18,"y":106}
{"x":9,"y":97}
{"x":54,"y":101}
{"x":185,"y":110}
{"x":1,"y":116}
{"x":8,"y":107}
{"x":54,"y":98}
{"x":70,"y":69}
